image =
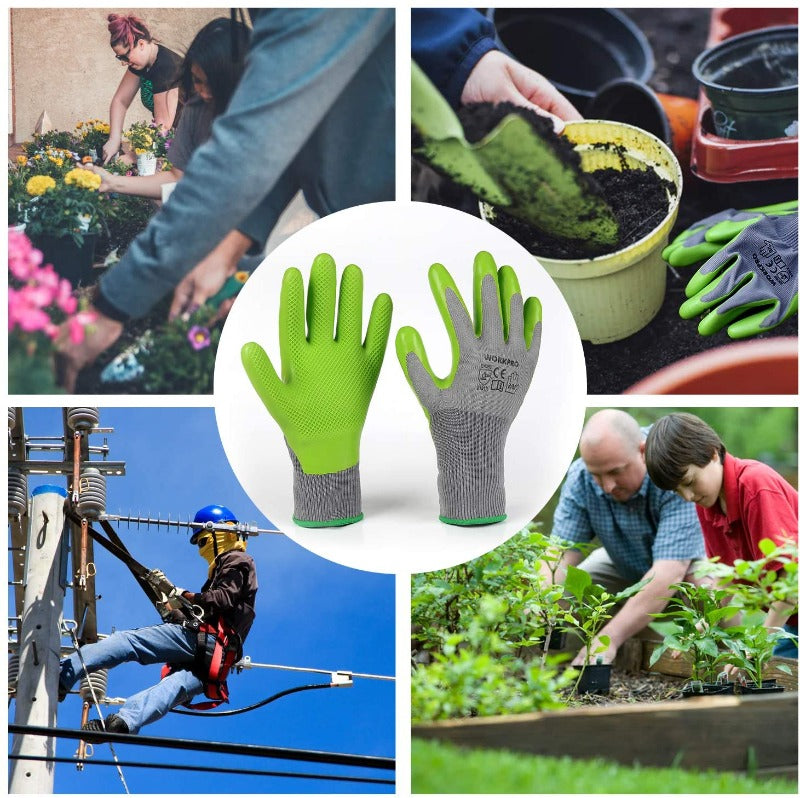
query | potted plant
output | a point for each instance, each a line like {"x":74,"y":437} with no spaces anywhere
{"x":749,"y":648}
{"x":38,"y":302}
{"x":63,"y":217}
{"x":92,"y":135}
{"x":149,"y":143}
{"x":694,"y":626}
{"x":590,"y":606}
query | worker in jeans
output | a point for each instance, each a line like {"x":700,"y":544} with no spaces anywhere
{"x":228,"y":596}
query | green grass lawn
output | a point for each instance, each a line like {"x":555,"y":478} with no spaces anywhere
{"x":438,"y":768}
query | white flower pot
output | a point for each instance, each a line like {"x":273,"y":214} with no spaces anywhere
{"x":146,"y":164}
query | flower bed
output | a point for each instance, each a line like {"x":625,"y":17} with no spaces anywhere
{"x":65,"y":216}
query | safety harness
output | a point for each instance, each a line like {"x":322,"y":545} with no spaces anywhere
{"x":218,"y":644}
{"x":218,"y":648}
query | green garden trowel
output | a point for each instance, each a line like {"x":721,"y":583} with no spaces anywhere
{"x":512,"y":167}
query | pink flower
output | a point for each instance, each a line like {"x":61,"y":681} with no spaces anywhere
{"x":199,"y":337}
{"x":23,"y":259}
{"x":25,"y":315}
{"x":76,"y":325}
{"x":64,"y":298}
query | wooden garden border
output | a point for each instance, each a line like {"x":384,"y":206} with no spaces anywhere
{"x":729,"y":733}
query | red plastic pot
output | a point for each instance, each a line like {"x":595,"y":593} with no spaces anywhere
{"x":749,"y":367}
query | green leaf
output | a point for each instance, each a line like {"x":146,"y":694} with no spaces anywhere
{"x":577,"y":581}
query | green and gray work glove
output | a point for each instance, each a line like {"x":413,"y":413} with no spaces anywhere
{"x":471,"y":410}
{"x":754,"y":277}
{"x":706,"y":237}
{"x":328,"y":377}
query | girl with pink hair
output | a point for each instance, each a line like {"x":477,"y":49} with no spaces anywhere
{"x":153,"y":71}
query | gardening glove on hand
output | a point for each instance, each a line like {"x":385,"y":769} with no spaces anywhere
{"x":754,"y":276}
{"x":470,"y":411}
{"x":706,"y":237}
{"x":328,"y":377}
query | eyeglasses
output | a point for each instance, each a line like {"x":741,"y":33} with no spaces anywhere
{"x":125,"y":58}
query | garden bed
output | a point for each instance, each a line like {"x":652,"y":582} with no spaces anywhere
{"x":729,"y":733}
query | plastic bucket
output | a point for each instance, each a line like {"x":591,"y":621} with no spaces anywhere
{"x":751,"y":82}
{"x":615,"y":295}
{"x":577,"y":49}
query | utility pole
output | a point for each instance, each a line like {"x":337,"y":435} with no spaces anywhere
{"x":40,"y":639}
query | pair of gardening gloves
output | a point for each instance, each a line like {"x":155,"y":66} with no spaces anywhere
{"x":328,"y":376}
{"x":749,"y":278}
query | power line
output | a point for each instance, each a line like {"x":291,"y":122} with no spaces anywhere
{"x":204,"y":769}
{"x":240,"y":710}
{"x":210,"y":746}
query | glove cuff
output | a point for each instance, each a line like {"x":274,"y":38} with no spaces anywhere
{"x":324,"y":500}
{"x":470,"y":450}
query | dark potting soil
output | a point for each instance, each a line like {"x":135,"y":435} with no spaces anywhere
{"x":637,"y":197}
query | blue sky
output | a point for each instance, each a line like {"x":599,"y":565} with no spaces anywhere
{"x":310,"y":613}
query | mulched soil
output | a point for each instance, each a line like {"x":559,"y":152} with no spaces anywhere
{"x":633,"y":688}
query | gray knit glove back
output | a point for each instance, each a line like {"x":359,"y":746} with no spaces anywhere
{"x":471,"y":410}
{"x":751,"y":283}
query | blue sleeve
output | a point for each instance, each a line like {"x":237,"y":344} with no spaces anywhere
{"x":678,"y":536}
{"x":571,"y":520}
{"x":447,"y":43}
{"x":299,"y":63}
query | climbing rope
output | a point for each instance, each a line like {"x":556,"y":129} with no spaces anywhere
{"x":97,"y":707}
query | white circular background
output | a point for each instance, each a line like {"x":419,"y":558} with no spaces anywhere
{"x":395,"y":243}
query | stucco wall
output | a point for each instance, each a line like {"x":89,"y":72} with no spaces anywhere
{"x":62,"y":62}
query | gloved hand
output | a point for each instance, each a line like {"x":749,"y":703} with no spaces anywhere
{"x":755,"y":274}
{"x":328,"y":378}
{"x":706,"y":237}
{"x":470,"y":411}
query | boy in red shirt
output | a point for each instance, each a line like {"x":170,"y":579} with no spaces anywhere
{"x":738,"y":502}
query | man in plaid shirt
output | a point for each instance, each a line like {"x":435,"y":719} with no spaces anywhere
{"x":644,"y":532}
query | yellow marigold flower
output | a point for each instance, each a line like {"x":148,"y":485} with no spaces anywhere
{"x":56,"y":161}
{"x":83,"y":178}
{"x":79,"y":126}
{"x":241,"y":276}
{"x":38,"y":184}
{"x":86,"y":159}
{"x":22,"y":160}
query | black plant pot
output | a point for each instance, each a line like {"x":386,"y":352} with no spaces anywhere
{"x":595,"y":679}
{"x":72,"y":262}
{"x":767,"y":686}
{"x":751,"y":82}
{"x":694,"y":689}
{"x":556,"y":640}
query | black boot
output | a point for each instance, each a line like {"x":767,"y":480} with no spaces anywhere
{"x":114,"y":724}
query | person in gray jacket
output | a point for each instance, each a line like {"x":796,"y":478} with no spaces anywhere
{"x":314,"y":111}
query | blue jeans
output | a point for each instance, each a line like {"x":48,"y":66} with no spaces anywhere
{"x":788,"y":646}
{"x":167,"y":642}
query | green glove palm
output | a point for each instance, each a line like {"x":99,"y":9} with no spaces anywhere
{"x":328,"y":378}
{"x":471,"y":410}
{"x":707,"y":236}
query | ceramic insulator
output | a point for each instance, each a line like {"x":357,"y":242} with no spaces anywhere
{"x":13,"y":672}
{"x":97,"y":680}
{"x":92,"y":493}
{"x":82,"y":418}
{"x":12,"y":416}
{"x":17,"y":492}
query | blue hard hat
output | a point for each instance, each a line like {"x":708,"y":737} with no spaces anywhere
{"x":216,"y":514}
